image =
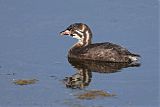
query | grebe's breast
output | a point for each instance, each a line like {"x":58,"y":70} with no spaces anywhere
{"x":103,"y":52}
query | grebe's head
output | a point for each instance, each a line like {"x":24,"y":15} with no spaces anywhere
{"x":79,"y":31}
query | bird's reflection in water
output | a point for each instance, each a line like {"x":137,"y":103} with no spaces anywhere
{"x":79,"y":80}
{"x":84,"y":68}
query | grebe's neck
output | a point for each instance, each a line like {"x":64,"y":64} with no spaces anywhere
{"x":84,"y":38}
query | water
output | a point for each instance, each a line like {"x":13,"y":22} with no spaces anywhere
{"x":31,"y":48}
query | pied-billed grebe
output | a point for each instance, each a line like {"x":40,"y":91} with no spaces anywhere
{"x":85,"y":50}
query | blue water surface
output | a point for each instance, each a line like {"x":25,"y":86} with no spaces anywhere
{"x":31,"y":48}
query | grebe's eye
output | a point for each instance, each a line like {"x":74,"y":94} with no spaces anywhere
{"x":72,"y":35}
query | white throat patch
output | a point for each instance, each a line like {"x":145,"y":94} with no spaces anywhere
{"x":80,"y":40}
{"x":76,"y":37}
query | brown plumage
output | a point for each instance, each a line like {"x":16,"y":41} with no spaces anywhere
{"x":85,"y":50}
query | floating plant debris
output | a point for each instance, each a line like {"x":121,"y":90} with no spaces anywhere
{"x":25,"y":82}
{"x":93,"y":94}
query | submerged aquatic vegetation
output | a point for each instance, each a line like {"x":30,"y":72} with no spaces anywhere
{"x":25,"y":81}
{"x":92,"y":94}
